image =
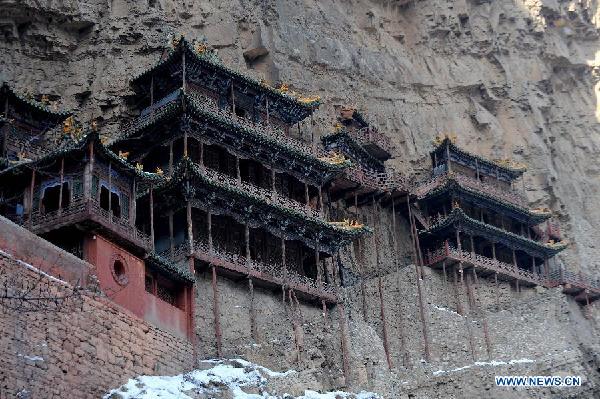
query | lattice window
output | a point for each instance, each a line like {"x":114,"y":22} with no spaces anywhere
{"x":125,"y":206}
{"x":77,"y":187}
{"x":95,"y":186}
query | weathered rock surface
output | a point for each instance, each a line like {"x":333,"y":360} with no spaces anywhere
{"x":512,"y":78}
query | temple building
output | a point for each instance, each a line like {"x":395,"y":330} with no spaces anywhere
{"x":27,"y":127}
{"x":206,"y":178}
{"x":472,"y":216}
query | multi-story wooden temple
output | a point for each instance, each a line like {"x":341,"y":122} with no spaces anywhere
{"x":473,"y":217}
{"x":206,"y":177}
{"x":209,"y":177}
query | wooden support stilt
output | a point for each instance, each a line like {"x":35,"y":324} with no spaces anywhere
{"x":444,"y":270}
{"x":62,"y":182}
{"x":253,"y":327}
{"x":110,"y":191}
{"x":486,"y":332}
{"x":497,"y":291}
{"x":459,"y":308}
{"x":283,"y":261}
{"x":190,"y":227}
{"x":171,"y":239}
{"x":151,"y":218}
{"x":201,"y":154}
{"x":384,"y":325}
{"x":171,"y":158}
{"x":238,"y":173}
{"x":324,"y":308}
{"x":467,"y":315}
{"x":216,"y":311}
{"x":133,"y":204}
{"x":306,"y":197}
{"x":209,"y":230}
{"x":31,"y":189}
{"x":344,"y":343}
{"x":273,"y":187}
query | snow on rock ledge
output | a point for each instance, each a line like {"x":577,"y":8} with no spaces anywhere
{"x":220,"y":379}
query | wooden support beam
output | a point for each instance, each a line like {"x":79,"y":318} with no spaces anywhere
{"x":171,"y":239}
{"x":467,"y":315}
{"x":497,"y":291}
{"x":133,"y":204}
{"x":253,"y":326}
{"x":486,"y":332}
{"x":384,"y":325}
{"x":216,"y":311}
{"x":202,"y":154}
{"x":152,"y":217}
{"x":209,"y":232}
{"x":62,"y":181}
{"x":459,"y":308}
{"x":31,"y":189}
{"x":283,"y":262}
{"x":110,"y":191}
{"x":306,"y":197}
{"x":444,"y":270}
{"x":190,"y":227}
{"x":185,"y":143}
{"x":344,"y":343}
{"x":171,"y":158}
{"x":152,"y":90}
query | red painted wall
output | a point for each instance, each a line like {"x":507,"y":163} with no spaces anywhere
{"x":128,"y":289}
{"x":103,"y":254}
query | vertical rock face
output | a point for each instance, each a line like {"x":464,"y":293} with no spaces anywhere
{"x":512,"y":78}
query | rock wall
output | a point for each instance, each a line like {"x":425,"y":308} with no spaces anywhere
{"x":73,"y":345}
{"x":512,"y":78}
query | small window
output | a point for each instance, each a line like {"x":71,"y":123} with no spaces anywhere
{"x":119,"y":272}
{"x":167,"y":294}
{"x":149,"y":284}
{"x":240,"y":112}
{"x":115,"y":201}
{"x":51,"y":196}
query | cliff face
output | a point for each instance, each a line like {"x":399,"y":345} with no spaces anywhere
{"x":512,"y":78}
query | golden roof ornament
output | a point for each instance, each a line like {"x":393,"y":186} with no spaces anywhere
{"x":334,"y":158}
{"x":123,"y":155}
{"x":439,"y":139}
{"x":68,"y":125}
{"x":348,"y":224}
{"x":541,"y":211}
{"x":337,"y":127}
{"x":104,"y":140}
{"x":283,"y":88}
{"x":159,"y":171}
{"x":139,"y":167}
{"x":45,"y":99}
{"x":509,"y":163}
{"x":94,"y":126}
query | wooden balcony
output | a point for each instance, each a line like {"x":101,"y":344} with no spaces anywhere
{"x":510,"y":196}
{"x":448,"y":255}
{"x":374,"y":142}
{"x":86,"y":211}
{"x":581,"y":286}
{"x":265,"y":274}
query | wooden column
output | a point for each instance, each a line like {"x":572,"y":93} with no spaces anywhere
{"x":190,"y":227}
{"x":171,"y":240}
{"x":202,"y":154}
{"x":133,"y":204}
{"x":31,"y":189}
{"x":209,"y":228}
{"x":384,"y":325}
{"x":459,"y":308}
{"x":493,"y":250}
{"x":514,"y":257}
{"x":273,"y":177}
{"x":185,"y":143}
{"x":152,"y":90}
{"x":448,"y":157}
{"x":467,"y":315}
{"x":238,"y":173}
{"x":247,"y":245}
{"x":62,"y":181}
{"x":497,"y":291}
{"x":171,"y":158}
{"x":458,"y":244}
{"x":216,"y":311}
{"x":318,"y":263}
{"x":472,"y":244}
{"x":151,"y":218}
{"x":306,"y":196}
{"x":321,"y":200}
{"x":283,"y":262}
{"x":267,"y":109}
{"x":110,"y":191}
{"x":183,"y":77}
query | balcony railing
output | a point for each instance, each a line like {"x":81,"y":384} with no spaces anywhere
{"x":507,"y":269}
{"x":579,"y":280}
{"x":466,"y":181}
{"x":383,"y":181}
{"x":268,"y":271}
{"x":81,"y":209}
{"x":267,"y":195}
{"x":370,"y":136}
{"x":210,"y":105}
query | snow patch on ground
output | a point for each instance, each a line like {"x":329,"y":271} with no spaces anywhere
{"x":443,"y":309}
{"x":238,"y":379}
{"x":493,"y":363}
{"x":32,"y":268}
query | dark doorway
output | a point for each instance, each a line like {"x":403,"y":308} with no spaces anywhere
{"x":51,"y":198}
